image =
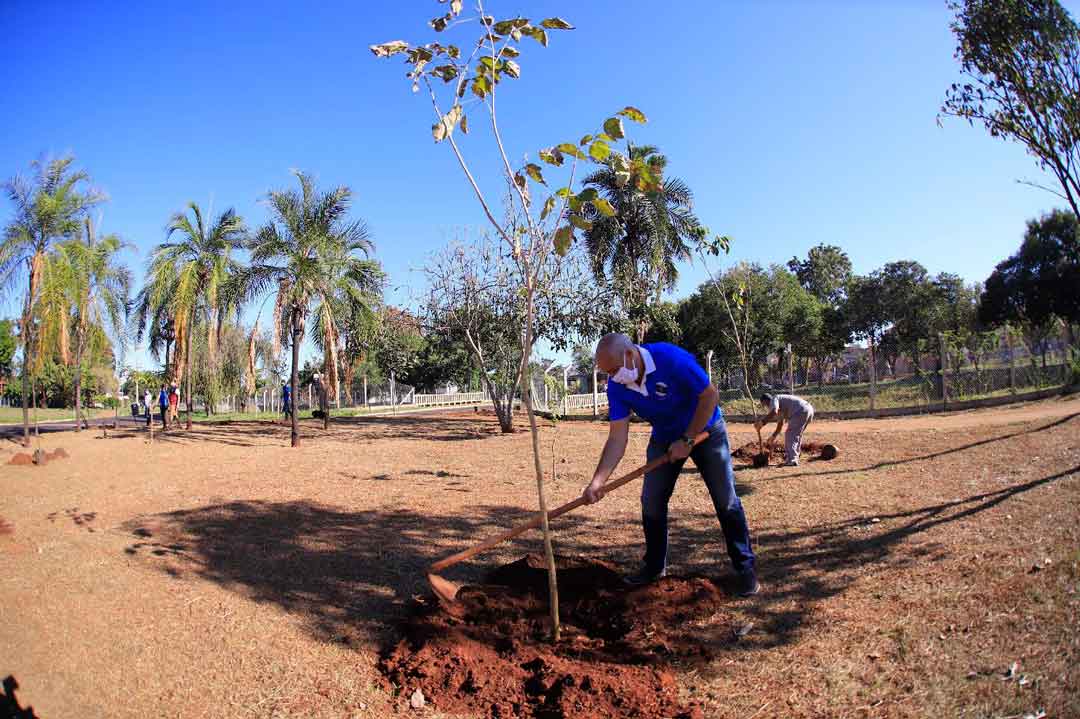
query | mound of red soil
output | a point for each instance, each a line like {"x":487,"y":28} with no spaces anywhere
{"x":490,"y":653}
{"x":750,"y":449}
{"x":21,"y":458}
{"x":6,"y":528}
{"x":58,"y":453}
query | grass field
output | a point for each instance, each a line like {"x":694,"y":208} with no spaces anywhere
{"x":932,"y":569}
{"x":12,"y":415}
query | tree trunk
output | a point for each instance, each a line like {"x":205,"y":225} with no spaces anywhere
{"x":78,"y":383}
{"x":188,"y":365}
{"x":549,"y":554}
{"x":296,"y":335}
{"x":27,"y":342}
{"x":324,"y":405}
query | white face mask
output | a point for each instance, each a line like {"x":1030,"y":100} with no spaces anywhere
{"x":626,"y":375}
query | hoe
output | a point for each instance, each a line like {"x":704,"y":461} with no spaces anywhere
{"x":448,"y":591}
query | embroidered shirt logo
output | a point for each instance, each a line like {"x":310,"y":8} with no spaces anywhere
{"x":661,"y":389}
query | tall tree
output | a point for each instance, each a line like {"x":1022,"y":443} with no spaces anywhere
{"x":637,"y":251}
{"x":185,"y":283}
{"x":825,"y":273}
{"x":1021,"y":61}
{"x":910,"y":300}
{"x":1038,"y":284}
{"x":98,"y":291}
{"x":312,"y":257}
{"x":866,"y":310}
{"x":49,"y":207}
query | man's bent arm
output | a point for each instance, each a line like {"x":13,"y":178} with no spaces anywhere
{"x":706,"y":403}
{"x":614,"y":448}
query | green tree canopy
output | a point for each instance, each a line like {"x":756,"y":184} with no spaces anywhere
{"x":1021,"y":61}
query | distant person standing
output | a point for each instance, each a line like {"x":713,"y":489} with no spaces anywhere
{"x":147,"y":405}
{"x":286,"y":400}
{"x":163,"y":405}
{"x":174,"y":404}
{"x":798,"y":413}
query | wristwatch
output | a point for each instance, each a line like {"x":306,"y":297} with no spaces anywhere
{"x":689,"y":441}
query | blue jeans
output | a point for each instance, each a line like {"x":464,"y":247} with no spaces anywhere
{"x":713,"y":460}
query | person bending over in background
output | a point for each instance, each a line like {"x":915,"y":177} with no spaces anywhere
{"x":798,"y":413}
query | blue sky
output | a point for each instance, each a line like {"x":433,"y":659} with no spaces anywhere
{"x":794,"y":122}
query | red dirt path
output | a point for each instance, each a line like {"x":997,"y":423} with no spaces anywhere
{"x":490,"y":652}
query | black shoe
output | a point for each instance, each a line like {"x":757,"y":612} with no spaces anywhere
{"x":748,"y":585}
{"x":643,"y":577}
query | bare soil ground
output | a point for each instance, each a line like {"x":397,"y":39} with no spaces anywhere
{"x":933,"y":568}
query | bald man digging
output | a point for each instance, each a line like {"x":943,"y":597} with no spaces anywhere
{"x":664,"y":385}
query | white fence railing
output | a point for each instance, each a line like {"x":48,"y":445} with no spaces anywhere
{"x":446,"y":400}
{"x":584,"y":401}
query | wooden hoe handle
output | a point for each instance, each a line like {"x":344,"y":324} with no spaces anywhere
{"x":552,"y":514}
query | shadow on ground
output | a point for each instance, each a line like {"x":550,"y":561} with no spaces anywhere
{"x":349,"y":575}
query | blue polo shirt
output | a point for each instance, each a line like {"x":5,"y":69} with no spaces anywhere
{"x":673,"y":382}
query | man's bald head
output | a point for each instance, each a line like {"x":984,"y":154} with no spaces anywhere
{"x":611,"y":351}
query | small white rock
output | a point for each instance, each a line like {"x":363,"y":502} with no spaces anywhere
{"x":417,"y":701}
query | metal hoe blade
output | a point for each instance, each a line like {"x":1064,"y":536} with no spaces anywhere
{"x":444,"y":589}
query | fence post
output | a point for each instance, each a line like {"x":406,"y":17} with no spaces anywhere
{"x":944,"y":362}
{"x":1012,"y":360}
{"x":791,"y":370}
{"x":873,"y":376}
{"x":365,"y":392}
{"x":393,"y":404}
{"x":595,"y":395}
{"x":708,"y":365}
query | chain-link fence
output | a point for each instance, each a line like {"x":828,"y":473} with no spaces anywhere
{"x":940,"y":374}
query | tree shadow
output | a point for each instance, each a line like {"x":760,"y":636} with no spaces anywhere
{"x":933,"y":455}
{"x":349,"y":575}
{"x":419,"y":427}
{"x":10,"y":708}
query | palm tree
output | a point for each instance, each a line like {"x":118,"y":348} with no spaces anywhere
{"x":636,"y":250}
{"x":98,"y":290}
{"x":49,"y":207}
{"x":185,"y":283}
{"x":316,"y":261}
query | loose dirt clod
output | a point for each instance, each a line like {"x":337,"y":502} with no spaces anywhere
{"x":490,"y":652}
{"x":21,"y":458}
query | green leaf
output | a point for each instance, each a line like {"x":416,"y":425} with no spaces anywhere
{"x":389,"y":48}
{"x":536,"y":33}
{"x":613,"y":126}
{"x":552,"y":156}
{"x":445,"y":72}
{"x":571,"y":149}
{"x":580,"y":222}
{"x":440,"y":23}
{"x":634,"y":114}
{"x":621,"y":167}
{"x":481,"y":86}
{"x":556,"y":23}
{"x":605,"y":137}
{"x":453,"y":51}
{"x":599,"y":150}
{"x":505,"y":27}
{"x":488,"y":62}
{"x":603,"y":207}
{"x":563,"y":237}
{"x":587,"y":195}
{"x":512,"y":69}
{"x":563,"y":192}
{"x":464,"y":124}
{"x":549,"y":205}
{"x":585,"y":140}
{"x":509,"y":51}
{"x":535,"y":173}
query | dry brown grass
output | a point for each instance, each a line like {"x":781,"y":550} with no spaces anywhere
{"x":220,"y":573}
